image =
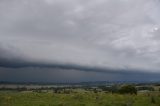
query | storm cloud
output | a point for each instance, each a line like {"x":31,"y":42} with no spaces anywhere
{"x":91,"y":37}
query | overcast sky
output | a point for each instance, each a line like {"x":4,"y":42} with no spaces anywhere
{"x":79,"y":40}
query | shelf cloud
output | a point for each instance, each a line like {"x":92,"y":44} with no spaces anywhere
{"x":75,"y":37}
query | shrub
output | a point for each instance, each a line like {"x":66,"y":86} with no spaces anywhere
{"x":114,"y":89}
{"x":95,"y":91}
{"x":128,"y":89}
{"x":153,"y":100}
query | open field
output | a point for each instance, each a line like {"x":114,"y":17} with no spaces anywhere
{"x":78,"y":97}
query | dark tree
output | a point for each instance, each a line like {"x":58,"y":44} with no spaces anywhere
{"x":128,"y":89}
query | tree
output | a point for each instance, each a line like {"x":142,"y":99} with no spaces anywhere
{"x":128,"y":89}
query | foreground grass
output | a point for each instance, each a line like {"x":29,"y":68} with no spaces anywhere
{"x":81,"y":98}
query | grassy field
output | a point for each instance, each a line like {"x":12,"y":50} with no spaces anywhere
{"x":77,"y":98}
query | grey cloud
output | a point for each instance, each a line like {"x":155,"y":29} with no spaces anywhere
{"x":62,"y":75}
{"x":103,"y":34}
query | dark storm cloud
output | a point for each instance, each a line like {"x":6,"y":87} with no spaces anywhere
{"x":90,"y":35}
{"x":14,"y":62}
{"x":20,"y":70}
{"x":62,"y":75}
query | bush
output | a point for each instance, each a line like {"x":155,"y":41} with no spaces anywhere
{"x":95,"y":91}
{"x":153,"y":100}
{"x":115,"y":88}
{"x":128,"y":89}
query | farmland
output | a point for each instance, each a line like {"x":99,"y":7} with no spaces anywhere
{"x":77,"y":97}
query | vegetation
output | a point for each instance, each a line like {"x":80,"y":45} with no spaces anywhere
{"x":122,"y":95}
{"x":130,"y":89}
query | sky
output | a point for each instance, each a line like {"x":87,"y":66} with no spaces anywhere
{"x":79,"y":40}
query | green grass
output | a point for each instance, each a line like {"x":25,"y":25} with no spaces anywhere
{"x":79,"y":98}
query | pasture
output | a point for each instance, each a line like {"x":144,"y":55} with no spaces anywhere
{"x":78,"y":97}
